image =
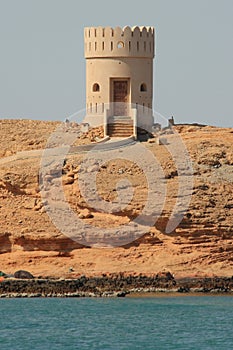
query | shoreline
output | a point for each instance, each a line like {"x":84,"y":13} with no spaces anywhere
{"x":116,"y":286}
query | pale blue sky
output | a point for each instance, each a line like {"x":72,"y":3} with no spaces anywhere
{"x":42,"y":66}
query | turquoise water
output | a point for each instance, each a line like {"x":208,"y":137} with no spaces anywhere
{"x":123,"y":323}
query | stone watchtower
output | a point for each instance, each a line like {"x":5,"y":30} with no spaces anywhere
{"x":119,"y":78}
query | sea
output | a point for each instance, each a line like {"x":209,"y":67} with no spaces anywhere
{"x":183,"y":322}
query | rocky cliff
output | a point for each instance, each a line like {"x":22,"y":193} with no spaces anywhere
{"x":202,"y":244}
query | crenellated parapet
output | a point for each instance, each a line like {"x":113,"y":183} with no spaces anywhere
{"x":119,"y":42}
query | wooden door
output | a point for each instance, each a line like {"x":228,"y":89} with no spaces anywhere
{"x":120,"y":97}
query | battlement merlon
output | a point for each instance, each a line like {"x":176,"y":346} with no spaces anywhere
{"x":119,"y":42}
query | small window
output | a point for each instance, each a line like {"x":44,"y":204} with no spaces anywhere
{"x":120,"y":44}
{"x":96,"y":87}
{"x":143,"y":87}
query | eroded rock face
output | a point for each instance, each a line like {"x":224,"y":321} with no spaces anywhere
{"x":5,"y":243}
{"x":202,"y":242}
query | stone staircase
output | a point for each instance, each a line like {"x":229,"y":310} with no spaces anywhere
{"x":120,"y":126}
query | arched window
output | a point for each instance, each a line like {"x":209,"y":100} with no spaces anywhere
{"x":120,"y":44}
{"x":143,"y":87}
{"x":95,"y":87}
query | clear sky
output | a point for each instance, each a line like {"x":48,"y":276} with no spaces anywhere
{"x":42,"y":66}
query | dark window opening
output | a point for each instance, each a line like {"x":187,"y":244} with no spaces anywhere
{"x":96,"y":87}
{"x":143,"y":87}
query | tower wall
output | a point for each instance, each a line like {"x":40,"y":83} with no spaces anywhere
{"x":118,"y":54}
{"x":118,"y":42}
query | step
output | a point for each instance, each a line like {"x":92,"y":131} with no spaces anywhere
{"x":119,"y":119}
{"x":120,"y":127}
{"x":119,"y":133}
{"x":122,"y":124}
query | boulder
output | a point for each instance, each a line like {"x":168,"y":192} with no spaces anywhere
{"x":23,"y":274}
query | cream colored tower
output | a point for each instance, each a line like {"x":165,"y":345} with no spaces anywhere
{"x":119,"y":74}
